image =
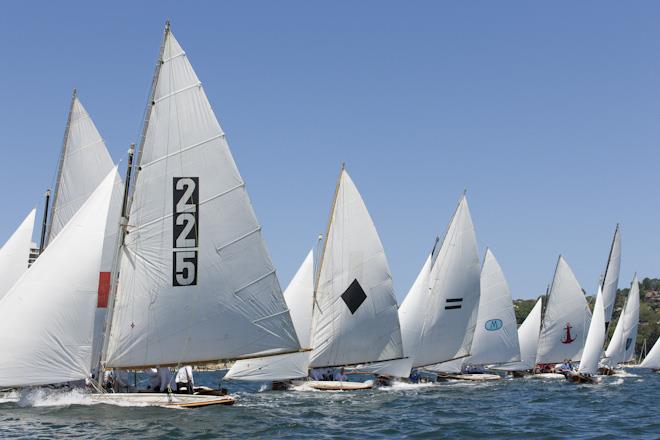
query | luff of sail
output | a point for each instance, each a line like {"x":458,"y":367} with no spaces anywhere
{"x":438,"y":315}
{"x":528,"y":337}
{"x":84,"y":162}
{"x":355,"y":317}
{"x":566,"y":319}
{"x":48,"y":316}
{"x":652,"y":359}
{"x":196,"y":283}
{"x":298,"y":296}
{"x":622,"y":345}
{"x":14,"y":254}
{"x":610,"y":281}
{"x":593,"y":346}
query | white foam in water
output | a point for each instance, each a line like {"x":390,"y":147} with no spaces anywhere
{"x":402,"y":386}
{"x":624,"y":373}
{"x":43,"y":397}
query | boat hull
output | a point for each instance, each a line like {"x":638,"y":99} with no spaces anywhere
{"x":470,"y":377}
{"x":162,"y":400}
{"x":334,"y":385}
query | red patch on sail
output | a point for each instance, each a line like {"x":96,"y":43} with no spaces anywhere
{"x":104,"y":290}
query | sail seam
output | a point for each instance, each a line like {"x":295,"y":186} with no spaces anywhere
{"x":255,"y":230}
{"x":183,"y":150}
{"x":176,"y":92}
{"x":271,"y":316}
{"x":85,"y":146}
{"x":251,"y":283}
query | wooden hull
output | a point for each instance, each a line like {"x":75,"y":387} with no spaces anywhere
{"x":580,"y":378}
{"x":332,"y":385}
{"x":162,"y":399}
{"x":470,"y":377}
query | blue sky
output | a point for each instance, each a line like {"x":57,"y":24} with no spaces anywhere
{"x":547,"y":113}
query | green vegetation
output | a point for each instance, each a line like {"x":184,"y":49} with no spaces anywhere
{"x":649,"y":311}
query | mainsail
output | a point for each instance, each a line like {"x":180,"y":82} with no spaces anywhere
{"x":566,"y":319}
{"x":48,"y":316}
{"x":528,"y":336}
{"x":355,"y":317}
{"x":652,"y":359}
{"x":195,"y":281}
{"x":14,"y":254}
{"x":593,"y":346}
{"x":438,"y":315}
{"x":622,"y":345}
{"x":610,"y":280}
{"x":298,"y":296}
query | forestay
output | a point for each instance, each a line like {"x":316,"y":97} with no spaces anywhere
{"x":566,"y":319}
{"x":438,"y":315}
{"x":298,"y":296}
{"x":528,"y":337}
{"x":355,"y":317}
{"x":622,"y":345}
{"x":48,"y":316}
{"x":610,"y":281}
{"x":15,"y":253}
{"x":652,"y":359}
{"x":593,"y":347}
{"x":196,"y":283}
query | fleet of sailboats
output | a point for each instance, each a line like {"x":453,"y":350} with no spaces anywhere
{"x":169,"y":268}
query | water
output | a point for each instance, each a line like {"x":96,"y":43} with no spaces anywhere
{"x":621,"y":407}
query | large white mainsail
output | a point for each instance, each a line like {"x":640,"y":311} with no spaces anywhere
{"x":593,"y":346}
{"x":566,"y":319}
{"x":14,"y":254}
{"x":48,"y":316}
{"x":652,"y":359}
{"x":610,"y":280}
{"x":298,"y":295}
{"x":438,"y":315}
{"x":355,"y":317}
{"x":622,"y":345}
{"x":496,"y":335}
{"x":196,"y":283}
{"x":528,"y":336}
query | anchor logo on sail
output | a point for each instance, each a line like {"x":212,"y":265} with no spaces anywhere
{"x":567,"y":338}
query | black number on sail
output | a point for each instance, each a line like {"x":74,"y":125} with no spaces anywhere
{"x":185,"y":231}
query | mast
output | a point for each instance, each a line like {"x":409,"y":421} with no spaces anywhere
{"x":60,"y":167}
{"x":128,"y":199}
{"x":607,"y":268}
{"x":44,"y":223}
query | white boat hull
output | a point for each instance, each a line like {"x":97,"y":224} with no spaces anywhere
{"x":162,"y":400}
{"x":471,"y":377}
{"x":334,"y":385}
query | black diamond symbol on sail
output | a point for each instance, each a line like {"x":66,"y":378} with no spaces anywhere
{"x":354,"y":296}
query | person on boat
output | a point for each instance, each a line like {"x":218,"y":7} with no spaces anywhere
{"x":316,"y":374}
{"x":567,"y":366}
{"x":339,"y":375}
{"x":184,"y":379}
{"x":153,"y":379}
{"x":165,"y":379}
{"x":415,"y":376}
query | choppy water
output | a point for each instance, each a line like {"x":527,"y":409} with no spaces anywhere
{"x":621,"y":407}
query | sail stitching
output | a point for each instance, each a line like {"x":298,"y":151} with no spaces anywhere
{"x":176,"y":92}
{"x":182,"y":150}
{"x":255,"y":230}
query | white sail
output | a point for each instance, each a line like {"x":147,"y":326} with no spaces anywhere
{"x":14,"y":254}
{"x":84,"y":163}
{"x":355,"y":318}
{"x":566,"y":319}
{"x":196,"y":283}
{"x":593,"y":346}
{"x":528,"y":336}
{"x":298,"y":296}
{"x":611,"y":278}
{"x":48,"y":316}
{"x":438,"y":316}
{"x":496,"y":334}
{"x":652,"y":359}
{"x":622,"y":345}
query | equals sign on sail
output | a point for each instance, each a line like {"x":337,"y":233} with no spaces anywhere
{"x":453,"y":303}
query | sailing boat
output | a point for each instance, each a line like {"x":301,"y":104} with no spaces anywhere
{"x":495,"y":338}
{"x":528,"y":337}
{"x":298,"y":296}
{"x":652,"y":359}
{"x":610,"y":279}
{"x":193,"y":282}
{"x":438,"y":315}
{"x":15,"y":253}
{"x":566,"y":321}
{"x":622,"y":345}
{"x":593,"y":346}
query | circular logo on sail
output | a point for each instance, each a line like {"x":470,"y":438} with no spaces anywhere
{"x":493,"y":324}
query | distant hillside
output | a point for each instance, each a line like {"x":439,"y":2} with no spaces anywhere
{"x":649,"y":311}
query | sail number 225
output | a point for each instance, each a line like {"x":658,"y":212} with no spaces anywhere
{"x":185,"y":231}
